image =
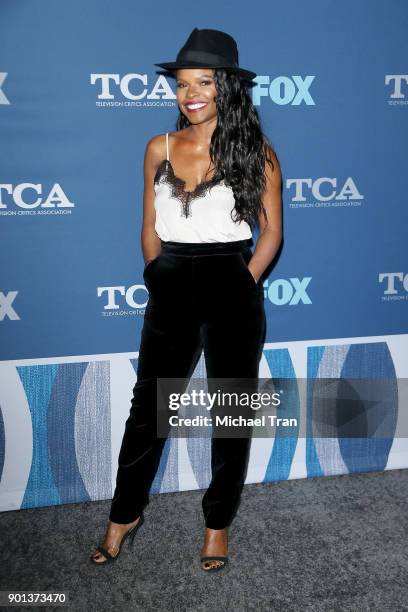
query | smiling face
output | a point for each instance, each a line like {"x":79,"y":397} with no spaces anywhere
{"x":195,"y":94}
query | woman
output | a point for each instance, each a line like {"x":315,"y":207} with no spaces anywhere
{"x":206,"y":185}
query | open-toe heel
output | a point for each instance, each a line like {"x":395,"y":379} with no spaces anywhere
{"x":213,"y":568}
{"x":129,"y":534}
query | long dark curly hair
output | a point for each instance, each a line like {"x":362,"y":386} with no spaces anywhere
{"x":238,"y":147}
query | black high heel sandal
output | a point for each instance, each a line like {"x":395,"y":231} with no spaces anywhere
{"x":108,"y":557}
{"x":213,"y":568}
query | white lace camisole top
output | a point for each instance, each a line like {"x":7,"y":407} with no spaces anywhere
{"x":201,"y":215}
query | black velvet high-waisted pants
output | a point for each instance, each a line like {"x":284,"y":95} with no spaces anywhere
{"x":202,"y":296}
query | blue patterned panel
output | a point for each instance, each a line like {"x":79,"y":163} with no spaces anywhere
{"x":314,"y":357}
{"x":93,"y":430}
{"x":41,"y":489}
{"x":350,"y":426}
{"x":61,"y":433}
{"x":380,"y":413}
{"x":285,"y":441}
{"x":70,"y":414}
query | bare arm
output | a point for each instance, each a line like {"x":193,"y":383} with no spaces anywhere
{"x":151,"y":244}
{"x":270,"y":235}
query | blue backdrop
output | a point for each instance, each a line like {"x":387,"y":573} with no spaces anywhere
{"x":80,"y":99}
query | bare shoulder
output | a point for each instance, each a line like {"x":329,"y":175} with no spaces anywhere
{"x":156,"y":148}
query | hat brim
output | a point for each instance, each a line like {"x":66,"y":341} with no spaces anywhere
{"x":171,"y":66}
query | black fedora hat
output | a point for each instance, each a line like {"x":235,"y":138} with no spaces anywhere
{"x":208,"y":49}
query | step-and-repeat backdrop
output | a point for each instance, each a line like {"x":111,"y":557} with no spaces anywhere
{"x":79,"y":99}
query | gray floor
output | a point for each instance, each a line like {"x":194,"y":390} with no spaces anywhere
{"x":321,"y":544}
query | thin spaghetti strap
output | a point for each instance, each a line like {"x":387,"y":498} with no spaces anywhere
{"x":167,"y":144}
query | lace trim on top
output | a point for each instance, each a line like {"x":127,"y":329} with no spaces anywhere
{"x":165,"y":174}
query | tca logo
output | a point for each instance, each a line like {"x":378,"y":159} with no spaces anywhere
{"x":394,"y":282}
{"x":292,"y":291}
{"x":20,"y":196}
{"x":348,"y":191}
{"x":283,"y":90}
{"x":132,"y":86}
{"x":128,"y":294}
